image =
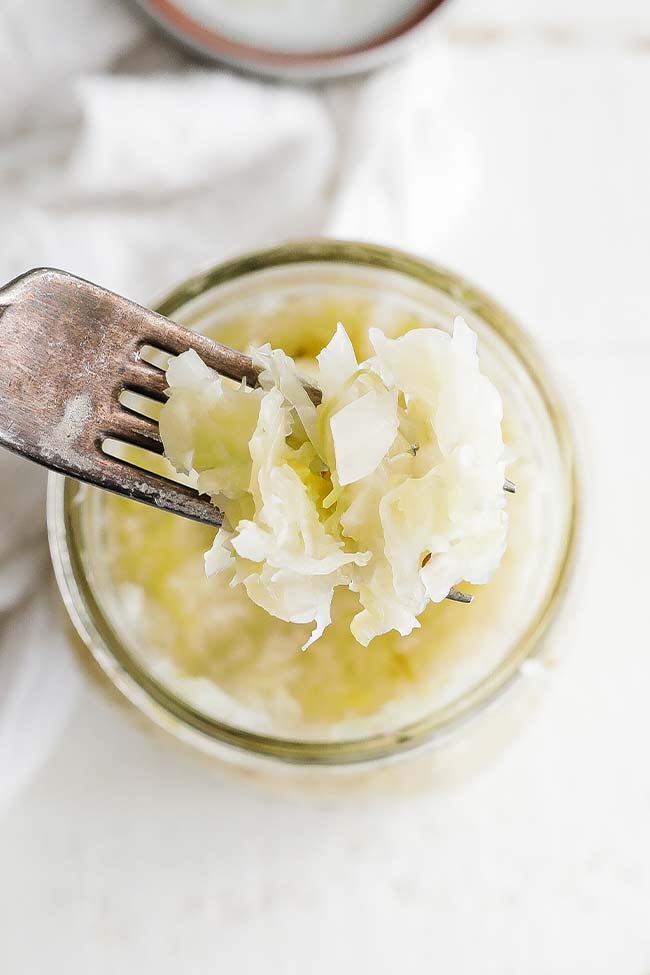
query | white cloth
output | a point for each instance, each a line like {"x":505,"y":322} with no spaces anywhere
{"x":125,"y":162}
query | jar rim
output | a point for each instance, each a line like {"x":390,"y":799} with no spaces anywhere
{"x":217,"y":737}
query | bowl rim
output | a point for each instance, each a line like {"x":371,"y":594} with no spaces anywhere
{"x":187,"y":722}
{"x":170,"y":17}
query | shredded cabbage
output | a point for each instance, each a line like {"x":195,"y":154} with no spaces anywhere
{"x":392,"y":487}
{"x":363,"y":433}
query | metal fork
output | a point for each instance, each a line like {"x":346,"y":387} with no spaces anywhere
{"x":68,"y":350}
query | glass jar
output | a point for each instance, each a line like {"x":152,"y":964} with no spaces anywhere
{"x":461,"y":664}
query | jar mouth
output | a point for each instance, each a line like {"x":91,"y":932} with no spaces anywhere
{"x":187,"y":722}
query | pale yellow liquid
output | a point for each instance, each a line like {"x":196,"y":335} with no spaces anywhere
{"x":199,"y":633}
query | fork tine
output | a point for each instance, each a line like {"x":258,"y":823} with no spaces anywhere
{"x":127,"y":479}
{"x":509,"y":486}
{"x":131,"y":427}
{"x":141,"y":377}
{"x":459,"y":597}
{"x":175,"y":339}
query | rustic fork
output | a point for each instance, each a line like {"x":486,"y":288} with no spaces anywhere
{"x":68,"y":351}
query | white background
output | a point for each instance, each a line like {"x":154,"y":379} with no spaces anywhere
{"x":514,"y":147}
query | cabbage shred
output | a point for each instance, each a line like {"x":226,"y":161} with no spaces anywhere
{"x":392,"y":487}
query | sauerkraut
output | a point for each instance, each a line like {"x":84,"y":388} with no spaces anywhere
{"x":391,"y":487}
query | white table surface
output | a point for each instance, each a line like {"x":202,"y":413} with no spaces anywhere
{"x":128,"y":854}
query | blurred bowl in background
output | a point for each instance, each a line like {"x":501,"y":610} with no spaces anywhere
{"x":294,"y":39}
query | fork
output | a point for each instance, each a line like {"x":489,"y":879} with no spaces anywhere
{"x":68,"y":351}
